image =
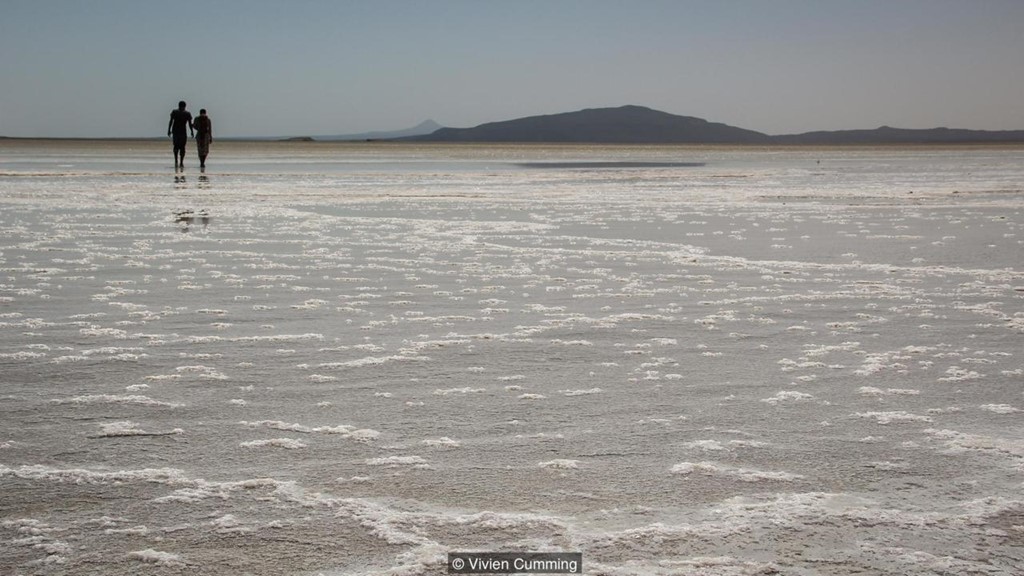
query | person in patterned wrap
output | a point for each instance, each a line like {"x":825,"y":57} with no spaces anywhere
{"x":204,"y":135}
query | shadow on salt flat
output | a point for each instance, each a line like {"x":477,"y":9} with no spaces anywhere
{"x":569,"y":165}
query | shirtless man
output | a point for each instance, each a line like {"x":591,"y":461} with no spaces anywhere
{"x":180,"y":119}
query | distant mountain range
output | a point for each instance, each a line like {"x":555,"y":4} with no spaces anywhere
{"x":888,"y":135}
{"x":627,"y":125}
{"x":640,"y":125}
{"x":425,"y":127}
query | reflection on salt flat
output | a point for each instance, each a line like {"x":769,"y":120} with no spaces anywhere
{"x":181,"y":180}
{"x":186,"y":218}
{"x":327,"y":173}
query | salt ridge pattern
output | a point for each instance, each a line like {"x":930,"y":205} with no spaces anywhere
{"x":772,"y":363}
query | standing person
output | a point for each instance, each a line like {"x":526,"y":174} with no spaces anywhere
{"x":180,"y":119}
{"x":204,"y":135}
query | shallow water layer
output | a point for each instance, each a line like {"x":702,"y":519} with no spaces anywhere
{"x":353,"y":359}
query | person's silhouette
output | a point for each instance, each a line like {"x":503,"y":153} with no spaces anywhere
{"x":176,"y":129}
{"x":204,"y":135}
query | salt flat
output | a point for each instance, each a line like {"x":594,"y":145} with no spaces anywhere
{"x":353,"y":359}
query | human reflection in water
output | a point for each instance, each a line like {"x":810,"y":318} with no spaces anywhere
{"x":181,"y":182}
{"x":185,"y":219}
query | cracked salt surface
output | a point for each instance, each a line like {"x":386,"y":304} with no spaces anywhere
{"x":682,"y":361}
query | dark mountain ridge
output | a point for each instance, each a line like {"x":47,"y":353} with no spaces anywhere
{"x":626,"y":124}
{"x":641,"y":125}
{"x":889,"y":135}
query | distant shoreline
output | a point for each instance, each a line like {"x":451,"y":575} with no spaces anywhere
{"x":629,"y":125}
{"x":403,"y":142}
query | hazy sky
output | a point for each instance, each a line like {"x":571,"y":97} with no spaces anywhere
{"x":298,"y":67}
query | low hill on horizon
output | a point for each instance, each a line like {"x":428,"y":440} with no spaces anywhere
{"x":425,"y":127}
{"x":890,"y":135}
{"x":625,"y":125}
{"x":641,"y":125}
{"x":633,"y":124}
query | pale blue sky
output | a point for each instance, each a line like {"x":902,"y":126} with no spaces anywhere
{"x":295,"y":67}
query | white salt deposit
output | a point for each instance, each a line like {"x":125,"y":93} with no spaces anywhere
{"x":114,"y":399}
{"x":787,"y":396}
{"x":395,"y":461}
{"x":894,"y":416}
{"x":560,"y":464}
{"x":443,"y":442}
{"x":157,"y":557}
{"x":348,"y":359}
{"x":1000,"y":408}
{"x":287,"y":443}
{"x":742,"y":474}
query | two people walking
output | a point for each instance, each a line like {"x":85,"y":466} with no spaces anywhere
{"x":180,"y":124}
